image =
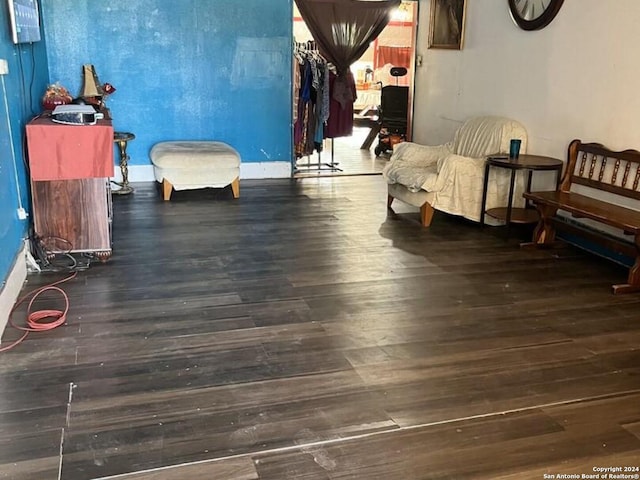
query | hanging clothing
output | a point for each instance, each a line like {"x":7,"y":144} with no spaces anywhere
{"x":312,"y":102}
{"x":343,"y":31}
{"x":326,"y":95}
{"x":297,"y":82}
{"x":340,"y":121}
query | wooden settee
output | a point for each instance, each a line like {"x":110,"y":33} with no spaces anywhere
{"x":591,"y":166}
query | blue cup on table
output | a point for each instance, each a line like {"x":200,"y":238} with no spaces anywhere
{"x":514,"y":148}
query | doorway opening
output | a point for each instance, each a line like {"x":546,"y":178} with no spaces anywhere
{"x":356,"y":154}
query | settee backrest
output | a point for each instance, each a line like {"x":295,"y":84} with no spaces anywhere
{"x":482,"y":136}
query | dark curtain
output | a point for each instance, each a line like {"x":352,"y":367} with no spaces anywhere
{"x":343,"y":30}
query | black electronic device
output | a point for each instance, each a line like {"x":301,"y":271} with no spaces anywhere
{"x":75,"y":115}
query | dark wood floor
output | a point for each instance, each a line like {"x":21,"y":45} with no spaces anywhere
{"x":301,"y":332}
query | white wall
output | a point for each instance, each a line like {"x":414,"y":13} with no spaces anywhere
{"x":576,"y":78}
{"x":396,"y":36}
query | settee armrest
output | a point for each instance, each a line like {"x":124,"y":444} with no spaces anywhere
{"x":414,"y":154}
{"x":412,"y":165}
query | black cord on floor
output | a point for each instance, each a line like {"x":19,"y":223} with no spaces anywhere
{"x":52,"y":260}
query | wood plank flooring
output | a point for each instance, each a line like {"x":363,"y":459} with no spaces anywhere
{"x":304,"y":332}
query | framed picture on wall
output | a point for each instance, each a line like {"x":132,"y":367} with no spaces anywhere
{"x":446,"y":28}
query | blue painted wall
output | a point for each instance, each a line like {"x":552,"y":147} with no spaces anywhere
{"x":187,"y":69}
{"x":23,"y":88}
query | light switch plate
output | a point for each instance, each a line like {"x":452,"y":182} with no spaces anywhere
{"x":4,"y":66}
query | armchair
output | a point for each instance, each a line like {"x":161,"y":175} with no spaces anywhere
{"x":450,"y":177}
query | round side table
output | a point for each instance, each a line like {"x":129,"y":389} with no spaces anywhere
{"x":530,"y":163}
{"x":122,"y":139}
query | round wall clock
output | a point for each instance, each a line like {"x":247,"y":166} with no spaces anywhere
{"x":534,"y":14}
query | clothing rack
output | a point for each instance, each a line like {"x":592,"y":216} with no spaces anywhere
{"x":308,"y":52}
{"x":318,"y":166}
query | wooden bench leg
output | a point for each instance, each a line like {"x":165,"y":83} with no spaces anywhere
{"x":235,"y":187}
{"x":426,"y":214}
{"x":545,"y":231}
{"x":633,"y":281}
{"x":167,"y":188}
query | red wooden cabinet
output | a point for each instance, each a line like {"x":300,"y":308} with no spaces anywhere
{"x":70,"y":166}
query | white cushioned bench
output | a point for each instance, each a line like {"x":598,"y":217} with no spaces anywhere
{"x":188,"y":165}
